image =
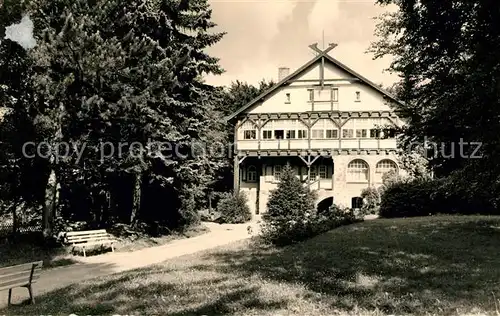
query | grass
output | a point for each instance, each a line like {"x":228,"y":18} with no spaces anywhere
{"x":28,"y":248}
{"x":423,"y":266}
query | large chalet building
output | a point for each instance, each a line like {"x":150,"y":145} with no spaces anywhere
{"x":332,"y":125}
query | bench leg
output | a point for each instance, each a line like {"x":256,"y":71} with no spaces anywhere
{"x":112,"y":248}
{"x":30,"y":290}
{"x":10,"y":297}
{"x":84,"y":254}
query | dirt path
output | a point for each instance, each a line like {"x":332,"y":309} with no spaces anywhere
{"x":109,"y":263}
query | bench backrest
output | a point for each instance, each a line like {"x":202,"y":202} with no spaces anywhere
{"x":87,"y":236}
{"x":20,"y":275}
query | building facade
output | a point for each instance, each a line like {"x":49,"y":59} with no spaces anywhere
{"x":332,"y":125}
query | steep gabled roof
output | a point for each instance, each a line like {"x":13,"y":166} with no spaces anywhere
{"x":303,"y":69}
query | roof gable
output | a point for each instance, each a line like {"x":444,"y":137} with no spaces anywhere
{"x":302,"y":70}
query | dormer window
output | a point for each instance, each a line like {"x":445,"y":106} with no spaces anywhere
{"x":325,"y":94}
{"x":287,"y":98}
{"x":358,"y":96}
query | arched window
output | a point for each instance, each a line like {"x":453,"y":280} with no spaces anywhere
{"x":357,"y":171}
{"x":356,"y":202}
{"x":384,"y":166}
{"x":252,"y":174}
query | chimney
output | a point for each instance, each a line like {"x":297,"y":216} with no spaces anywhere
{"x":283,"y":72}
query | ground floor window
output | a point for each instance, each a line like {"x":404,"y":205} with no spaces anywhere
{"x":277,"y":172}
{"x":323,"y":174}
{"x":252,"y":174}
{"x":313,"y":173}
{"x":356,"y":202}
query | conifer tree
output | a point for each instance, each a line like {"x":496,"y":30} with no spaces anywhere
{"x":289,"y":208}
{"x":127,"y":72}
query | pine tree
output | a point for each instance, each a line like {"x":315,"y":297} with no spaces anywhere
{"x":124,"y":72}
{"x":289,"y":208}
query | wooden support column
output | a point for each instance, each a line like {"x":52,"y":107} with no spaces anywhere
{"x":309,"y":163}
{"x":322,"y":72}
{"x":236,"y":162}
{"x":259,"y":136}
{"x":309,"y":172}
{"x":236,"y":170}
{"x":309,"y":125}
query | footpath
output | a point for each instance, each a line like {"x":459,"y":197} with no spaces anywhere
{"x":109,"y":263}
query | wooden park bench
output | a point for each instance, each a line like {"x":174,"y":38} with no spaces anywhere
{"x":82,"y":239}
{"x":22,"y":275}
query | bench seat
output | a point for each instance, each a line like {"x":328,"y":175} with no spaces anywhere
{"x":83,"y":239}
{"x":100,"y":242}
{"x":22,"y":275}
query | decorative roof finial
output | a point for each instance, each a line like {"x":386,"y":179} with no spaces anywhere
{"x":315,"y":48}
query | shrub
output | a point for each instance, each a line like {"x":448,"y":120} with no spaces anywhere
{"x":408,"y":199}
{"x":209,"y":216}
{"x":333,"y":218}
{"x":393,"y":178}
{"x":371,"y":201}
{"x":61,"y":226}
{"x":473,"y":190}
{"x":233,"y":209}
{"x":292,"y":216}
{"x":452,"y":195}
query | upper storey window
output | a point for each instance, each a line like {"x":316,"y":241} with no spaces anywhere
{"x":248,"y":130}
{"x":358,"y":96}
{"x":284,"y":129}
{"x":324,"y":128}
{"x":325,"y":94}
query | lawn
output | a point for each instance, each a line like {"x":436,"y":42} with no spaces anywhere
{"x":436,"y":265}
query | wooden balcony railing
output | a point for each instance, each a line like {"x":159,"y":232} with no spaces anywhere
{"x":290,"y":144}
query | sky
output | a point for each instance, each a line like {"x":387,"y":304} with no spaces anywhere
{"x":21,"y":32}
{"x":263,"y":35}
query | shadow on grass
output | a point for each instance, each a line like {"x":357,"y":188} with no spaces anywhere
{"x":29,"y":248}
{"x":437,"y":265}
{"x":51,"y":280}
{"x":146,"y":291}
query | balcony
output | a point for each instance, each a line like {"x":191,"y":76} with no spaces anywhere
{"x":293,"y":144}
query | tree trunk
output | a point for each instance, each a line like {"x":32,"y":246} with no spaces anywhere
{"x":136,"y":199}
{"x":50,"y":204}
{"x":15,"y":220}
{"x":51,"y":190}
